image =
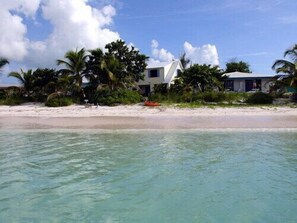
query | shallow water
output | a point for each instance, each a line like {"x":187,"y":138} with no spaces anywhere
{"x":146,"y":176}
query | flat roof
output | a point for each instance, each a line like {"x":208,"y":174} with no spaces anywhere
{"x":248,"y":75}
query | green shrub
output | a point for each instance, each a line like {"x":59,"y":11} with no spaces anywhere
{"x":259,"y":98}
{"x":109,"y":97}
{"x":12,"y":101}
{"x":161,"y":88}
{"x":2,"y":94}
{"x":59,"y":102}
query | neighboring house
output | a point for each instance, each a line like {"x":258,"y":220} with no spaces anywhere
{"x":245,"y":82}
{"x":159,"y":73}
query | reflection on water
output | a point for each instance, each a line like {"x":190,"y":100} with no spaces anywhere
{"x":168,"y":176}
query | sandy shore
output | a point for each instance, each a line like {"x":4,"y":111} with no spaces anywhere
{"x":34,"y":116}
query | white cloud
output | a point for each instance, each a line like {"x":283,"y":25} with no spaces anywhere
{"x":13,"y":41}
{"x":207,"y":54}
{"x":26,"y":7}
{"x":160,"y":54}
{"x":75,"y":25}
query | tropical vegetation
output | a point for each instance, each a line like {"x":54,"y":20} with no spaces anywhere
{"x":240,"y":66}
{"x":288,"y":67}
{"x":112,"y":75}
{"x":3,"y":61}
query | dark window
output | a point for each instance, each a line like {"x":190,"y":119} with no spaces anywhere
{"x":145,"y":89}
{"x":179,"y":72}
{"x":229,"y":85}
{"x":248,"y":85}
{"x":252,"y":85}
{"x":153,"y":73}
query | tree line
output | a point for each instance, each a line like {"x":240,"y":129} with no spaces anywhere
{"x":112,"y":76}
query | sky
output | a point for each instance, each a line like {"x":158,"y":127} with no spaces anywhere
{"x":35,"y":33}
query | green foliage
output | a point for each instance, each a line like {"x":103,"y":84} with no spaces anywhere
{"x":106,"y":96}
{"x":259,"y":98}
{"x":12,"y":101}
{"x":184,"y":60}
{"x":59,"y":101}
{"x":37,"y":84}
{"x":202,"y":77}
{"x":26,"y":79}
{"x":2,"y":94}
{"x":3,"y":62}
{"x":130,"y":59}
{"x":210,"y":96}
{"x":12,"y":96}
{"x":200,"y":97}
{"x":287,"y":67}
{"x":161,"y":88}
{"x":219,"y":97}
{"x":239,"y":66}
{"x":75,"y":64}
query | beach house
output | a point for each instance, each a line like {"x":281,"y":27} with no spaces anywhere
{"x":245,"y":82}
{"x":159,"y":73}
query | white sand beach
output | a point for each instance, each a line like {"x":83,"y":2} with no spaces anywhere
{"x":141,"y":117}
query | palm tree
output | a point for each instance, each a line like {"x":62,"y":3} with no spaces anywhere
{"x":184,"y":60}
{"x":288,"y":67}
{"x":26,"y":79}
{"x":3,"y":62}
{"x":112,"y":71}
{"x":93,"y":67}
{"x":75,"y":65}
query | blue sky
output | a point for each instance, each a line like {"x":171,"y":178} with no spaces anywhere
{"x":37,"y":32}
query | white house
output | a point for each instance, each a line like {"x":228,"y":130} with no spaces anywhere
{"x":159,"y":73}
{"x":244,"y":82}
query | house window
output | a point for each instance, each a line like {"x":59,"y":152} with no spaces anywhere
{"x":154,"y":73}
{"x":251,"y":85}
{"x":229,"y":85}
{"x":179,"y":72}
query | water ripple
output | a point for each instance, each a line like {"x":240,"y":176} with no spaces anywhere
{"x":148,"y":177}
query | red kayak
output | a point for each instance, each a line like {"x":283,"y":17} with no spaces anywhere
{"x":151,"y":103}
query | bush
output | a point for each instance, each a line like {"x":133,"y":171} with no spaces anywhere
{"x":13,"y":101}
{"x":120,"y":96}
{"x":259,"y":98}
{"x":59,"y":102}
{"x":210,"y":97}
{"x":161,"y":88}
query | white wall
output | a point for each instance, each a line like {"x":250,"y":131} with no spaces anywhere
{"x":152,"y":80}
{"x":239,"y":85}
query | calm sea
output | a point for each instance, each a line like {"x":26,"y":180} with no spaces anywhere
{"x":146,"y":176}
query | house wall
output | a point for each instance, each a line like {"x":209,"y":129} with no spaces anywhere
{"x":239,"y":85}
{"x":265,"y":85}
{"x":152,"y":80}
{"x":176,"y":68}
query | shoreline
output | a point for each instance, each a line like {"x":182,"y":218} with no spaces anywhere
{"x":35,"y":116}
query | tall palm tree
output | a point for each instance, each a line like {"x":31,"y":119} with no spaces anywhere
{"x":93,"y":67}
{"x":184,"y":60}
{"x":288,"y":67}
{"x":112,"y":70}
{"x":75,"y":64}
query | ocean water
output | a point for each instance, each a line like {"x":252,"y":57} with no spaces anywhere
{"x":146,"y":176}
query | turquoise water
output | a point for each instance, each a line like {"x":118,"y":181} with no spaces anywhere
{"x":166,"y":176}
